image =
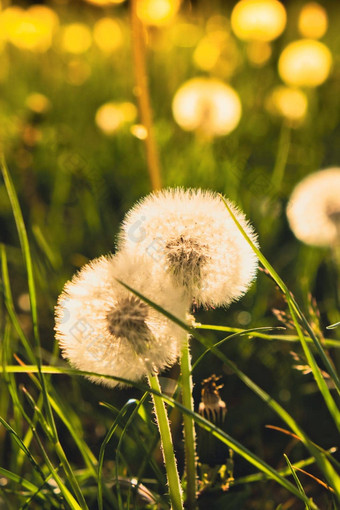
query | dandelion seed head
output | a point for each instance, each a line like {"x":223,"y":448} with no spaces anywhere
{"x":313,"y":210}
{"x":191,"y":236}
{"x":103,"y":327}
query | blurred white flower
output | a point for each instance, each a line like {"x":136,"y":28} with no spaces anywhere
{"x":191,"y":235}
{"x":207,"y":105}
{"x":313,"y":210}
{"x":102,"y":327}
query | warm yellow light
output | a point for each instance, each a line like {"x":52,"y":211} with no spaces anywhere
{"x":107,"y":34}
{"x":30,"y":29}
{"x":157,"y":12}
{"x":305,"y":63}
{"x":261,"y":20}
{"x":104,"y":3}
{"x":313,"y":21}
{"x":288,"y":102}
{"x":207,"y":105}
{"x":206,"y":54}
{"x":259,"y":52}
{"x":38,"y":103}
{"x":139,"y":131}
{"x":9,"y":18}
{"x":76,"y":38}
{"x":45,"y":14}
{"x":110,"y":116}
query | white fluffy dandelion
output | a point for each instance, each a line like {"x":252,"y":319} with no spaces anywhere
{"x":313,"y":210}
{"x":103,"y":327}
{"x":191,"y":235}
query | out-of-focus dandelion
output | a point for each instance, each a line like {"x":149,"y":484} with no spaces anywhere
{"x":111,"y":116}
{"x":190,"y":235}
{"x":157,"y":12}
{"x":212,"y":406}
{"x":288,"y":102}
{"x":38,"y":103}
{"x":31,"y":29}
{"x":258,"y":52}
{"x":107,"y":35}
{"x":76,"y":38}
{"x":260,"y":20}
{"x":102,"y":327}
{"x":313,"y":210}
{"x":207,"y":53}
{"x":313,"y":20}
{"x":305,"y":63}
{"x":217,"y":51}
{"x":207,"y":105}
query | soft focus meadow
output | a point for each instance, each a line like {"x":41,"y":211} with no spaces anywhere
{"x":244,"y":103}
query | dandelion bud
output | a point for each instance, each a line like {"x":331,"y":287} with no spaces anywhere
{"x":212,"y":406}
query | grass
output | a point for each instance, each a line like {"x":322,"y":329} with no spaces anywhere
{"x":66,"y":443}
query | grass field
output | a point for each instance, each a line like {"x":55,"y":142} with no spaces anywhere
{"x":72,"y":169}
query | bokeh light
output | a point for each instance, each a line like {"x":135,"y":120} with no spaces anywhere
{"x":111,"y":116}
{"x":313,"y":21}
{"x":104,"y":3}
{"x":30,"y":29}
{"x":207,"y":53}
{"x":208,"y":106}
{"x":305,"y":63}
{"x":76,"y":38}
{"x":157,"y":12}
{"x":288,"y":102}
{"x":38,"y":103}
{"x":261,"y":20}
{"x":258,"y":52}
{"x":107,"y":34}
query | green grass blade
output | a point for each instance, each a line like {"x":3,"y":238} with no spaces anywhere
{"x":328,"y":365}
{"x":22,"y":481}
{"x":103,"y":446}
{"x":10,"y":305}
{"x":297,"y":481}
{"x":328,"y":342}
{"x":245,"y":332}
{"x":25,"y":249}
{"x":332,"y":477}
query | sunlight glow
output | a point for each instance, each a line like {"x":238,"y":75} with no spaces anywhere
{"x":111,"y":116}
{"x":76,"y":38}
{"x":207,"y":105}
{"x":305,"y":63}
{"x":289,"y":103}
{"x":107,"y":34}
{"x":157,"y":12}
{"x":313,"y":21}
{"x":261,"y":20}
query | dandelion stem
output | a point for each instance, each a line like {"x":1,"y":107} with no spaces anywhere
{"x":175,"y":489}
{"x":189,"y":428}
{"x":143,"y":97}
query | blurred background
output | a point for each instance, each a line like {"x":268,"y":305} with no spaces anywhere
{"x":74,"y":144}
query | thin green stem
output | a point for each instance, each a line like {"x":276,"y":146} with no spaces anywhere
{"x":189,"y":428}
{"x":175,"y":489}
